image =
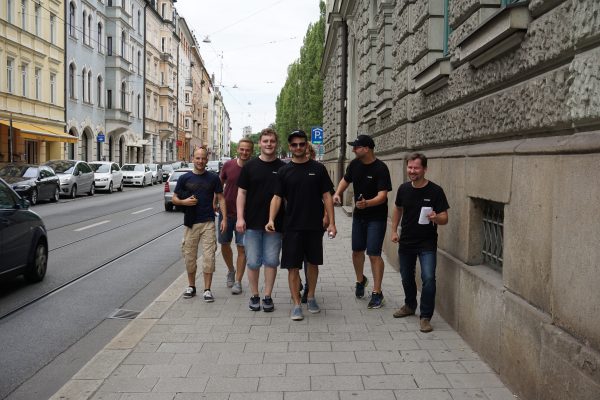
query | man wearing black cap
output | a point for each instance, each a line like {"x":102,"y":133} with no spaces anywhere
{"x":371,"y":180}
{"x":306,"y":186}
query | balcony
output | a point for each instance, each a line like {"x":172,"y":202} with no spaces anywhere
{"x":168,"y":57}
{"x":189,"y":82}
{"x":118,"y":12}
{"x":117,"y":115}
{"x":116,"y":61}
{"x":167,"y":91}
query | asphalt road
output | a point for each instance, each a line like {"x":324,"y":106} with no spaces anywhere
{"x":107,"y":252}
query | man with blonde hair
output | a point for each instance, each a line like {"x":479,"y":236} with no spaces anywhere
{"x":229,"y":177}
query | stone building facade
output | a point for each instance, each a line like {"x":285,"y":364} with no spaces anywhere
{"x":502,"y":96}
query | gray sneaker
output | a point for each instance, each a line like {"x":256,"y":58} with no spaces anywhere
{"x":230,"y":278}
{"x":297,"y":313}
{"x":313,"y":307}
{"x":236,"y":288}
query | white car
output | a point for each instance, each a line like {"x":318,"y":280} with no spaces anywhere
{"x":157,"y":175}
{"x":107,"y":176}
{"x":136,"y":174}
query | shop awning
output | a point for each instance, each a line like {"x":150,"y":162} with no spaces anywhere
{"x":42,"y":132}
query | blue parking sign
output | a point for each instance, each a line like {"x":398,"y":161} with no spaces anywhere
{"x":316,"y":135}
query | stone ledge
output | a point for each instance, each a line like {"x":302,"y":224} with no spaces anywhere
{"x":434,"y":76}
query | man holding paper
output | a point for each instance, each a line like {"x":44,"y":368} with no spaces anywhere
{"x":422,"y":206}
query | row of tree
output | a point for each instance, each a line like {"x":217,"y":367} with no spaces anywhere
{"x":300,"y":102}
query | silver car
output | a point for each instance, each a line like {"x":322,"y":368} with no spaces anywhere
{"x":107,"y":176}
{"x":137,"y":174}
{"x":170,"y":186}
{"x":157,"y":174}
{"x":76,"y":177}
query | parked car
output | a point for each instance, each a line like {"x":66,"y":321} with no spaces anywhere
{"x":167,"y":169}
{"x":32,"y":182}
{"x":214,"y":166}
{"x":156,"y":173}
{"x":76,"y":177}
{"x":23,"y":238}
{"x":170,"y":187}
{"x":107,"y":176}
{"x":137,"y":174}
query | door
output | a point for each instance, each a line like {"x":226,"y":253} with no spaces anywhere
{"x":15,"y":236}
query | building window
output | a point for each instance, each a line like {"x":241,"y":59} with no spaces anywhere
{"x":72,"y":81}
{"x":123,"y":41}
{"x":164,"y":10}
{"x":72,"y":19}
{"x":89,"y":90}
{"x":52,"y":28}
{"x":493,"y":234}
{"x":162,"y":113}
{"x":9,"y":75}
{"x":109,"y":99}
{"x":123,"y":97}
{"x":132,"y":53}
{"x":37,"y":19}
{"x":187,"y":123}
{"x":83,"y":77}
{"x":99,"y":37}
{"x":90,"y":30}
{"x":109,"y":45}
{"x":84,"y":30}
{"x":38,"y":81}
{"x":139,"y":62}
{"x":187,"y":98}
{"x":24,"y":14}
{"x":24,"y":91}
{"x":9,"y":11}
{"x":99,"y":93}
{"x":139,"y":24}
{"x":52,"y":88}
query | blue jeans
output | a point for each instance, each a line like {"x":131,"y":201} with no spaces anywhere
{"x":262,"y":248}
{"x":368,"y":235}
{"x":227,"y":236}
{"x":408,"y":262}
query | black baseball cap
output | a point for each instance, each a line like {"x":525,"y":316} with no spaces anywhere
{"x":363,"y":141}
{"x":297,"y":133}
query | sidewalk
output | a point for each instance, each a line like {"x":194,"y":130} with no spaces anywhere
{"x":188,"y":349}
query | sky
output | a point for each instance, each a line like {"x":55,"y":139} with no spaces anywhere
{"x":252,"y":43}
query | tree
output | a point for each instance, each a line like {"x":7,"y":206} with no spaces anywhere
{"x":300,"y":101}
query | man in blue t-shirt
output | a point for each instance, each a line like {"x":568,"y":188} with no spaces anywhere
{"x":195,"y":191}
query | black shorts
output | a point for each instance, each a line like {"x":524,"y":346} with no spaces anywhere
{"x":298,"y":246}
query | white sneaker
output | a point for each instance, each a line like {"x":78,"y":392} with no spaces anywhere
{"x":236,"y":288}
{"x":208,"y":297}
{"x":230,"y":278}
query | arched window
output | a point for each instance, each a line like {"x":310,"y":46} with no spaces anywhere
{"x":139,"y":62}
{"x":72,"y":19}
{"x":72,"y":80}
{"x":83,"y":78}
{"x":123,"y":96}
{"x":99,"y":91}
{"x":89,"y":82}
{"x":139,"y":24}
{"x":84,"y":30}
{"x":123,"y":44}
{"x":90,"y":30}
{"x":139,"y":105}
{"x":100,"y":37}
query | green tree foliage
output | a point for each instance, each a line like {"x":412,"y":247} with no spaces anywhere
{"x":300,"y":102}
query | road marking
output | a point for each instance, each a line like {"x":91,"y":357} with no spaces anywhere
{"x":92,"y":225}
{"x":141,"y":211}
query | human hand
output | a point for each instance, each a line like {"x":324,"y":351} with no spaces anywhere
{"x":337,"y":199}
{"x":395,"y":237}
{"x":240,"y":225}
{"x":270,"y":226}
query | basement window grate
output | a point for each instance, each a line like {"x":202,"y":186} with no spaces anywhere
{"x":493,"y":234}
{"x":119,"y":313}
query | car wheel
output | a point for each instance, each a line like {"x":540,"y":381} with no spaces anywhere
{"x":38,"y":263}
{"x":73,"y":193}
{"x":168,"y":206}
{"x":56,"y":195}
{"x":143,"y":183}
{"x":92,"y":190}
{"x":33,"y":198}
{"x":151,"y":181}
{"x":110,"y":187}
{"x":120,"y":189}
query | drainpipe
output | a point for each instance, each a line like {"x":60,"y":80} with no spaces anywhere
{"x":144,"y":90}
{"x":343,"y":100}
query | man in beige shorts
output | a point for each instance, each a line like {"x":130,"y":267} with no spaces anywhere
{"x":195,"y":191}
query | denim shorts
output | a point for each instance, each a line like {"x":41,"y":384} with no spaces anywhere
{"x":227,"y":236}
{"x":368,"y":235}
{"x":262,"y":248}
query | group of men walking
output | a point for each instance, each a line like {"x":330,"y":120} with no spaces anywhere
{"x":277,"y":208}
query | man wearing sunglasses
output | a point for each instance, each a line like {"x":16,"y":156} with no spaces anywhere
{"x":305,"y":186}
{"x":371,"y":179}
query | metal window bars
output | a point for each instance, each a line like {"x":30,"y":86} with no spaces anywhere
{"x":493,"y":234}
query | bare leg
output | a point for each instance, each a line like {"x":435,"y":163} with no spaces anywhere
{"x":358,"y":260}
{"x":270,"y":275}
{"x":377,"y":267}
{"x":207,"y":280}
{"x":312,"y":276}
{"x":227,"y":255}
{"x":253,"y":275}
{"x":240,"y":263}
{"x":294,"y":283}
{"x":192,"y":278}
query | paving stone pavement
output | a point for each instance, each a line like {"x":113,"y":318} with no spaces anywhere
{"x":188,"y":349}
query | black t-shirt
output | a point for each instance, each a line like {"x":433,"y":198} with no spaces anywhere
{"x":302,"y":187}
{"x":368,"y":180}
{"x":414,"y":236}
{"x":203,"y":186}
{"x":259,"y":179}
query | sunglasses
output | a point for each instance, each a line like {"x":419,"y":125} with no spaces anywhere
{"x":300,"y":144}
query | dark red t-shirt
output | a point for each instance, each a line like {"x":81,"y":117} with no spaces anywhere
{"x":229,"y":176}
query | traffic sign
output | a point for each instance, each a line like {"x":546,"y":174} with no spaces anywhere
{"x":100,"y":137}
{"x":316,"y":135}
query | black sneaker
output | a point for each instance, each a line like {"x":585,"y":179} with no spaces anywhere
{"x":377,"y":300}
{"x":254,"y":303}
{"x":189,"y":292}
{"x":208,"y":296}
{"x":359,"y":291}
{"x":267,"y":304}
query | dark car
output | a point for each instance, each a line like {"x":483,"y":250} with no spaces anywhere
{"x":23,"y":238}
{"x":167,"y":170}
{"x":33,"y":182}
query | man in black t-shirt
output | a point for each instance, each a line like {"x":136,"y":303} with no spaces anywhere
{"x":371,"y":179}
{"x":423,"y":206}
{"x":305,"y":186}
{"x":256,"y":185}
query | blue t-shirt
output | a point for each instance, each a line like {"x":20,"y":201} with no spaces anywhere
{"x":203,"y":186}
